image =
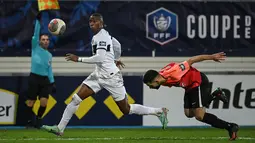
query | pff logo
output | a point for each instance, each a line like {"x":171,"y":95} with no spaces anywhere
{"x":162,"y":26}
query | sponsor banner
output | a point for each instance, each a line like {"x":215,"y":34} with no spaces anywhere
{"x":97,"y":110}
{"x":168,"y":28}
{"x":241,"y":108}
{"x":8,"y":107}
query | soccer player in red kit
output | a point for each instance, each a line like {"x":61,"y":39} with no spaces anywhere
{"x":197,"y":89}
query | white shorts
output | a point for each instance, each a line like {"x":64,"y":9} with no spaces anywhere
{"x":114,"y":85}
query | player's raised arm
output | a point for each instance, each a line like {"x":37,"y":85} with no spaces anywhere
{"x":218,"y":57}
{"x":35,"y":38}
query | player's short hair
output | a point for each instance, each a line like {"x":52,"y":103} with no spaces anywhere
{"x":99,"y":16}
{"x":149,"y":76}
{"x":44,"y":34}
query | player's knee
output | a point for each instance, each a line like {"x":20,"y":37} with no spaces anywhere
{"x":188,"y":115}
{"x":85,"y":92}
{"x":125,"y":110}
{"x":199,"y":117}
{"x":30,"y":103}
{"x":199,"y":113}
{"x":43,"y":102}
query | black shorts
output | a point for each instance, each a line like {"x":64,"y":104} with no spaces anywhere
{"x":38,"y":86}
{"x":198,"y":97}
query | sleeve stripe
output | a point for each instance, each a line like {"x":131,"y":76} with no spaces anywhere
{"x":101,"y":48}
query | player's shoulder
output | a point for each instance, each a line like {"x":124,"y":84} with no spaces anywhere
{"x":167,"y":67}
{"x":115,"y":41}
{"x":170,"y":65}
{"x":102,"y":34}
{"x":49,"y":53}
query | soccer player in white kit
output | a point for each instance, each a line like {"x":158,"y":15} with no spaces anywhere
{"x":106,"y":50}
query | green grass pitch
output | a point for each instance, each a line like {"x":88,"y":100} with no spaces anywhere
{"x":143,"y":135}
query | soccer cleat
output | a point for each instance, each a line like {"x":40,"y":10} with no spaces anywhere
{"x":233,"y":132}
{"x":219,"y":94}
{"x":163,"y":118}
{"x":52,"y":129}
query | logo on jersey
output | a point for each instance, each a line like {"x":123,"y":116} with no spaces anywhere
{"x":162,"y":26}
{"x":102,"y":43}
{"x":182,"y":67}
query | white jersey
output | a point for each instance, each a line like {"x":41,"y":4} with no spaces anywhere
{"x":102,"y":40}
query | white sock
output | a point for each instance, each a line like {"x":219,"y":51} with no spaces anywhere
{"x":69,"y":111}
{"x":144,"y":110}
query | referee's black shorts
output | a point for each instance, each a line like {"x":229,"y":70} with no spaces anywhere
{"x":38,"y":86}
{"x":198,"y":97}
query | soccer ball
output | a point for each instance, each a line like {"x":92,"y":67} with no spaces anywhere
{"x":57,"y":27}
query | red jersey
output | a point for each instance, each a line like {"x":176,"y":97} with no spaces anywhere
{"x":181,"y":75}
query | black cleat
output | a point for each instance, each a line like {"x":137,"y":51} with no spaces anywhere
{"x":220,"y":95}
{"x":233,"y":132}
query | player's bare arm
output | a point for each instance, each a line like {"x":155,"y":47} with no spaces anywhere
{"x":217,"y":57}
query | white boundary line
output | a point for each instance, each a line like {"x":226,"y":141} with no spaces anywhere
{"x":127,"y":138}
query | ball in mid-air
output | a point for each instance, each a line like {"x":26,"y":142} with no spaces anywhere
{"x":57,"y":27}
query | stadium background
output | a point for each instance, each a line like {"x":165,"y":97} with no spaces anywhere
{"x":127,"y":22}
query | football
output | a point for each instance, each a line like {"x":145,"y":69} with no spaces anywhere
{"x":57,"y":27}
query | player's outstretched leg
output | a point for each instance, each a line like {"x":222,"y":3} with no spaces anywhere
{"x":138,"y":109}
{"x":119,"y":95}
{"x":67,"y":115}
{"x":161,"y":113}
{"x":214,"y":121}
{"x":71,"y":108}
